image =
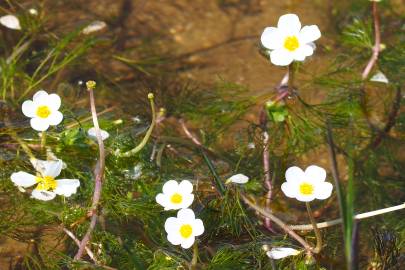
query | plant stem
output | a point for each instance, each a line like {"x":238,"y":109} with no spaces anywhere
{"x":194,"y":260}
{"x":99,"y":174}
{"x":279,"y":222}
{"x":330,"y":223}
{"x":377,"y":42}
{"x":145,"y":139}
{"x":43,"y":139}
{"x":317,"y":231}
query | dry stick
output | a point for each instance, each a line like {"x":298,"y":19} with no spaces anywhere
{"x":99,"y":174}
{"x":188,"y":133}
{"x":308,"y":227}
{"x":377,"y":42}
{"x":279,"y":222}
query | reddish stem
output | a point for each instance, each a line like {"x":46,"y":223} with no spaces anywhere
{"x":377,"y":42}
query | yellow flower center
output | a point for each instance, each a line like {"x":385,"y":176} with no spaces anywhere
{"x":46,"y":183}
{"x":291,"y":43}
{"x":186,"y":230}
{"x":306,"y":188}
{"x":176,"y":198}
{"x":43,"y":111}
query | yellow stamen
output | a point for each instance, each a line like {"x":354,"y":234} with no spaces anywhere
{"x":291,"y":43}
{"x":186,"y":230}
{"x":43,"y":111}
{"x":46,"y":183}
{"x":306,"y":188}
{"x":176,"y":198}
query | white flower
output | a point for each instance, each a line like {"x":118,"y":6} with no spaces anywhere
{"x":94,"y":27}
{"x":306,"y":186}
{"x":10,"y":21}
{"x":288,"y":42}
{"x":46,"y":186}
{"x":176,"y":196}
{"x":183,"y":229}
{"x":43,"y":110}
{"x":92,"y":133}
{"x":238,"y":179}
{"x":281,"y":252}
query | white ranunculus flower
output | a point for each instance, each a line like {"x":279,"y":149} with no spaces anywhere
{"x":238,"y":179}
{"x":379,"y":77}
{"x":183,"y":229}
{"x":47,"y":187}
{"x":281,"y":252}
{"x":289,"y":42}
{"x":92,"y":134}
{"x":10,"y":21}
{"x":43,"y":110}
{"x":306,"y":186}
{"x":176,"y":196}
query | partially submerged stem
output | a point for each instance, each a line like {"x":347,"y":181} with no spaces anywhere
{"x":145,"y":139}
{"x":99,"y":174}
{"x":194,"y":260}
{"x":317,"y":231}
{"x":377,"y":43}
{"x":279,"y":222}
{"x":326,"y":224}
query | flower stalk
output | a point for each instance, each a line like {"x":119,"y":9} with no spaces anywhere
{"x":318,"y":235}
{"x":99,"y":173}
{"x":194,"y":260}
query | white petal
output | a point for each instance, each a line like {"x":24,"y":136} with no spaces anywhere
{"x":23,"y":179}
{"x":294,"y":174}
{"x":281,"y":57}
{"x":305,"y":198}
{"x":39,"y":124}
{"x":290,"y":189}
{"x":29,"y":108}
{"x":161,"y":199}
{"x":198,"y":227}
{"x":39,"y":165}
{"x":94,"y":27}
{"x":239,"y":179}
{"x":172,"y":225}
{"x":281,"y":252}
{"x":55,"y":118}
{"x":186,"y":215}
{"x":174,"y":238}
{"x":10,"y":21}
{"x":187,"y":200}
{"x":187,"y":243}
{"x":289,"y":24}
{"x":309,"y":33}
{"x":66,"y":187}
{"x":302,"y":52}
{"x":52,"y":168}
{"x":43,"y":195}
{"x":92,"y":134}
{"x":271,"y":38}
{"x":40,"y":97}
{"x":323,"y":190}
{"x":54,"y":101}
{"x":170,"y":187}
{"x":379,"y":77}
{"x":185,"y":186}
{"x":315,"y":174}
{"x":33,"y":11}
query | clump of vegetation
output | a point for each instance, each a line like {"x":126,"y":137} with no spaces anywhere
{"x":181,"y":178}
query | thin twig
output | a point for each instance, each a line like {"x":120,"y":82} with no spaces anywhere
{"x":188,"y":133}
{"x":279,"y":222}
{"x":308,"y":227}
{"x":99,"y":173}
{"x":377,"y":42}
